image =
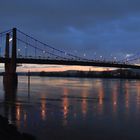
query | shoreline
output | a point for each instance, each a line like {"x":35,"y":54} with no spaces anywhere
{"x":10,"y":132}
{"x":87,"y":77}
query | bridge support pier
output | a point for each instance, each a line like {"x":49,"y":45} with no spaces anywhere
{"x":10,"y":76}
{"x":10,"y":79}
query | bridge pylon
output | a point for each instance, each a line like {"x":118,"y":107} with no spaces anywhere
{"x":10,"y":75}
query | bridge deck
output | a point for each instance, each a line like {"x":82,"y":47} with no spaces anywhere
{"x":71,"y":62}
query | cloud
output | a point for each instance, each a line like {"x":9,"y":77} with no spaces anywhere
{"x":103,"y":26}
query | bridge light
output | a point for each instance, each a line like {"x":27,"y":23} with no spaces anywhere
{"x":18,"y":52}
{"x":115,"y":58}
{"x":10,"y":39}
{"x":44,"y":53}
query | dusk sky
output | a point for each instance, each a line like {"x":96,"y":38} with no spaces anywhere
{"x":88,"y":28}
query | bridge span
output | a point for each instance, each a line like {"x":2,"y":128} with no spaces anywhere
{"x":20,"y":48}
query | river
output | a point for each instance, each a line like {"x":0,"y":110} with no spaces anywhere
{"x":74,"y":108}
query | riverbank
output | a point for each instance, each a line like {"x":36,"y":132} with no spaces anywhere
{"x":10,"y":132}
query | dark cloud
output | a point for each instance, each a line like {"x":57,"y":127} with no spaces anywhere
{"x":80,"y":26}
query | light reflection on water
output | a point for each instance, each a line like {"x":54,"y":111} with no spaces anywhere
{"x":69,"y":108}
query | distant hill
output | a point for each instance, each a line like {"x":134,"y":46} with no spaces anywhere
{"x":118,"y":73}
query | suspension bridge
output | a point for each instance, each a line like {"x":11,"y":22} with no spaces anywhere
{"x":17,"y":47}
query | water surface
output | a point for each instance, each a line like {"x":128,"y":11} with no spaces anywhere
{"x":74,"y":108}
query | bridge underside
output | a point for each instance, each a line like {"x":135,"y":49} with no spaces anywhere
{"x":70,"y":62}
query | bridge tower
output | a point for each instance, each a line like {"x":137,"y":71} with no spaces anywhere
{"x":10,"y":75}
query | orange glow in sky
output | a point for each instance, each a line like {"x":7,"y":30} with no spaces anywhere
{"x":48,"y":68}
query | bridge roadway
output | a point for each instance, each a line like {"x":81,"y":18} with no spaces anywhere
{"x":71,"y":62}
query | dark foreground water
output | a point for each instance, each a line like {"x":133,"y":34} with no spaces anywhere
{"x":74,"y":108}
